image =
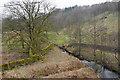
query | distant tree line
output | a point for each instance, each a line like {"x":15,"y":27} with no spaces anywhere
{"x":80,"y":14}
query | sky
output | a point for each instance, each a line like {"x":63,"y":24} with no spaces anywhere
{"x":61,"y":3}
{"x":68,"y":3}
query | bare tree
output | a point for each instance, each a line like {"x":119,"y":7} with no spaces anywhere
{"x":33,"y":22}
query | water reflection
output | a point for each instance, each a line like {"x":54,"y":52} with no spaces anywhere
{"x":103,"y":73}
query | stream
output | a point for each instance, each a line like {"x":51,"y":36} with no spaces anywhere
{"x":99,"y":69}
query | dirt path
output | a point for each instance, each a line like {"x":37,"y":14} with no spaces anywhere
{"x":57,"y":65}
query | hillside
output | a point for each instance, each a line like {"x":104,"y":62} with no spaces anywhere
{"x":41,"y":41}
{"x":106,"y":31}
{"x":57,"y":64}
{"x":101,"y":32}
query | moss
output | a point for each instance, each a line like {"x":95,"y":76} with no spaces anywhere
{"x":43,"y":59}
{"x":12,"y":65}
{"x":47,"y":47}
{"x":28,"y":61}
{"x":4,"y":66}
{"x":34,"y":58}
{"x":30,"y":52}
{"x":22,"y":62}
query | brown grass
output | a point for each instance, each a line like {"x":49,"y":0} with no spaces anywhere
{"x":80,"y":73}
{"x":55,"y":63}
{"x":12,"y":56}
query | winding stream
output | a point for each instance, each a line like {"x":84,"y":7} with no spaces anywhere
{"x":99,"y":69}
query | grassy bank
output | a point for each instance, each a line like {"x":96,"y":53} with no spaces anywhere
{"x":56,"y":64}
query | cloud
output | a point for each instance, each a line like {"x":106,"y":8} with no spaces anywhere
{"x":115,"y":0}
{"x":68,"y":3}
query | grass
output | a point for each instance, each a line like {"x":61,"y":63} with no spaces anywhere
{"x":110,"y":26}
{"x":40,"y":72}
{"x":57,"y":62}
{"x":112,"y":23}
{"x":59,"y":39}
{"x":87,"y":39}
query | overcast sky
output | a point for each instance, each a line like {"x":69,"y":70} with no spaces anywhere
{"x":62,"y":3}
{"x":67,"y":3}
